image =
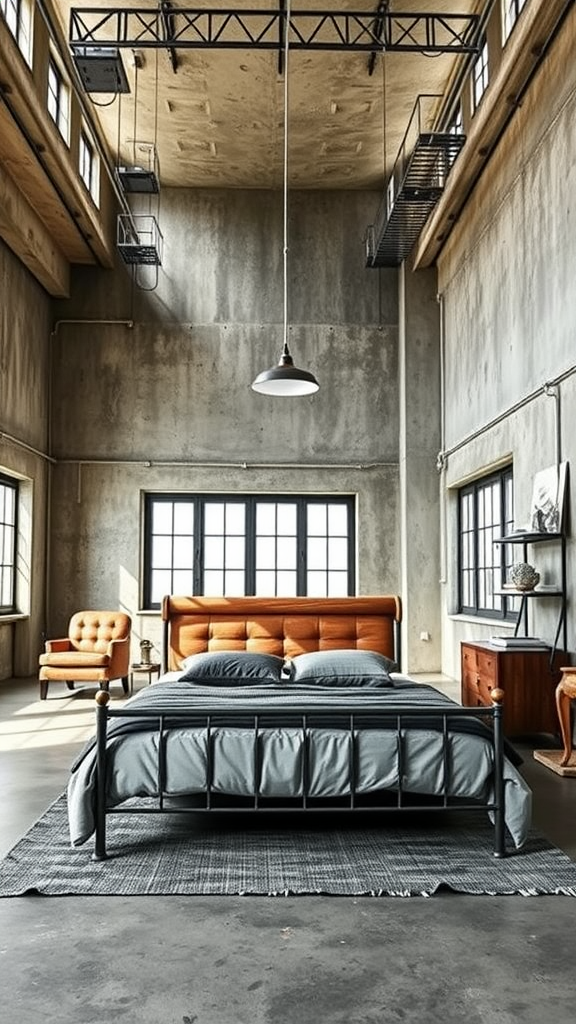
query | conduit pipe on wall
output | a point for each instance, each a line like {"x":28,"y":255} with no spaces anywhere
{"x":10,"y":439}
{"x":192,"y":464}
{"x":58,"y":324}
{"x":549,"y":389}
{"x":163,"y":464}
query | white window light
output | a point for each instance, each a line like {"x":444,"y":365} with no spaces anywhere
{"x":58,"y":99}
{"x":512,"y":11}
{"x":89,"y":165}
{"x":18,"y":16}
{"x":480,"y":75}
{"x":456,"y":125}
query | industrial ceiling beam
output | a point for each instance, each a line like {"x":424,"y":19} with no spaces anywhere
{"x":167,"y":18}
{"x":192,"y":28}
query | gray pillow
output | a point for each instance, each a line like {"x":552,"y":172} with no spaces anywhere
{"x":342,"y":668}
{"x":232,"y":668}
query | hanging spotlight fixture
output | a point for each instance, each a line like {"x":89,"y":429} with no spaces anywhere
{"x":285,"y":378}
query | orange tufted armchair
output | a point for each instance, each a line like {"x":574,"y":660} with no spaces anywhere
{"x":97,"y":649}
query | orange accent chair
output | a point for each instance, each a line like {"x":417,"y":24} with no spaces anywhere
{"x":97,"y":649}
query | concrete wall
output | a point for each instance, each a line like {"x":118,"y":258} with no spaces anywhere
{"x":507,"y":280}
{"x":166,"y":404}
{"x":419,"y":395}
{"x":24,"y":332}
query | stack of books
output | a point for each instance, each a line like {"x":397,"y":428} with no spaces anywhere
{"x":517,"y":641}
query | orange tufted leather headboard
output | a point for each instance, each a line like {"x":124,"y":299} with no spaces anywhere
{"x":285,"y":626}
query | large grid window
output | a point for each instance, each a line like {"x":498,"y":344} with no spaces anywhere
{"x":58,"y":99}
{"x":8,"y":534}
{"x":512,"y":10}
{"x":18,"y":16}
{"x":480,"y":75}
{"x":486,"y":512}
{"x":236,"y":545}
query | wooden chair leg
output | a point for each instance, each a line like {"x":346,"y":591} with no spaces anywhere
{"x":70,"y":684}
{"x":565,"y":694}
{"x":43,"y":689}
{"x":125,"y":684}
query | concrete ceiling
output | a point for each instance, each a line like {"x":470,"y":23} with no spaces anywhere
{"x":217,"y":120}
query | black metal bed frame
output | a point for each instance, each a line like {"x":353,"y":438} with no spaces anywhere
{"x":210,"y":718}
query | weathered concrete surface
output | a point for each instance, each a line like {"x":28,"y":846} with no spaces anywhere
{"x":165,"y":404}
{"x":24,"y":331}
{"x":174,"y":392}
{"x":507,"y":278}
{"x":256,"y":960}
{"x":419,"y":395}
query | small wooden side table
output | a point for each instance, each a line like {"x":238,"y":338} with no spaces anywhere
{"x":144,"y":670}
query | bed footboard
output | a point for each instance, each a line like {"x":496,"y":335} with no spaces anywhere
{"x":349,"y":720}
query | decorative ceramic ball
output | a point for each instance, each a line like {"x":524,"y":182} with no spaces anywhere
{"x":524,"y":576}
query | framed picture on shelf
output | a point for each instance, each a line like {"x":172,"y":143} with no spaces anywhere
{"x":548,"y":493}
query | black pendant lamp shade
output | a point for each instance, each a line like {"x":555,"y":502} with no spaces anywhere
{"x":285,"y":379}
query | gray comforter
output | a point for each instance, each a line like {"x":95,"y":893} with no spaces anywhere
{"x":133,"y":750}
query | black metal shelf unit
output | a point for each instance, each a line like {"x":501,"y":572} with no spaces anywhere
{"x":525,"y":539}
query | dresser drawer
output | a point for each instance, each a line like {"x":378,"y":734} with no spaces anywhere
{"x":524,"y":676}
{"x":487,"y":666}
{"x":469,"y":660}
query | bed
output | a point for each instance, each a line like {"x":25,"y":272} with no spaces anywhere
{"x":292,"y":705}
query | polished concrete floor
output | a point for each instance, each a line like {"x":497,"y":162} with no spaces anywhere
{"x":257,"y":960}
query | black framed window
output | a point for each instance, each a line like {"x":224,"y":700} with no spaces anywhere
{"x":456,"y":123}
{"x":480,"y":74}
{"x":8,"y":539}
{"x":18,"y":15}
{"x":58,"y":99}
{"x":512,"y":11}
{"x":281,"y":545}
{"x":486,"y":512}
{"x":88,"y":165}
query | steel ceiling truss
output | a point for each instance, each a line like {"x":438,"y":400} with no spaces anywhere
{"x":192,"y":28}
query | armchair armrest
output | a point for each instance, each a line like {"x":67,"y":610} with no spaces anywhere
{"x":119,"y":654}
{"x":118,"y":644}
{"x":51,"y":646}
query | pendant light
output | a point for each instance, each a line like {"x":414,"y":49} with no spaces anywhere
{"x":285,"y":379}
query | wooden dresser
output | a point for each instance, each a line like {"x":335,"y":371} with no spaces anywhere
{"x":525,"y":677}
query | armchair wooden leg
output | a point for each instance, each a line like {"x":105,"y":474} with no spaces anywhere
{"x":565,"y":694}
{"x":70,"y":684}
{"x":43,"y":689}
{"x":125,"y":684}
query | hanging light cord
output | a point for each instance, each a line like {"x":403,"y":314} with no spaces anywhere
{"x":286,"y":107}
{"x":285,"y":378}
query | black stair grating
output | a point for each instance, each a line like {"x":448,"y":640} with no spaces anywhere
{"x":391,"y":239}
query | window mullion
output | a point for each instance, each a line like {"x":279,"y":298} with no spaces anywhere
{"x":250,"y":546}
{"x":301,"y":543}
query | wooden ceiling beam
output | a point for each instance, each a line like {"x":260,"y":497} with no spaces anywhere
{"x":26,"y":235}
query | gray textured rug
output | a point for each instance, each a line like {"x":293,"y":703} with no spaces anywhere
{"x":199,"y":855}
